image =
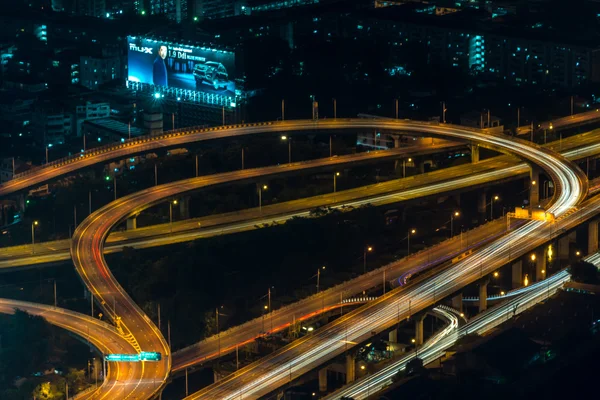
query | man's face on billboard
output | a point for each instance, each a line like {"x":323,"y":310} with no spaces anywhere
{"x":162,"y":52}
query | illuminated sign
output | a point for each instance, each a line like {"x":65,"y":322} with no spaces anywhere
{"x":142,"y":356}
{"x":165,"y":64}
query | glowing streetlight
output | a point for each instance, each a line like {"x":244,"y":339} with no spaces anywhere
{"x":533,"y":257}
{"x":260,"y":189}
{"x":368,"y":249}
{"x":171,"y":203}
{"x":526,"y":280}
{"x":335,"y":181}
{"x":577,"y":253}
{"x":495,"y":198}
{"x":550,"y":253}
{"x":455,"y":214}
{"x":496,"y":274}
{"x":502,"y":293}
{"x":33,"y":225}
{"x":410,"y":232}
{"x":289,"y":140}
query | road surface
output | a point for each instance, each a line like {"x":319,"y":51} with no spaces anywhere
{"x":277,"y":369}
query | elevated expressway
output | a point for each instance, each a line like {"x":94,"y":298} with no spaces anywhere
{"x":305,"y":354}
{"x":445,"y":181}
{"x":122,"y":379}
{"x":88,"y":242}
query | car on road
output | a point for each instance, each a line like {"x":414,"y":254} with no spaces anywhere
{"x":211,"y":73}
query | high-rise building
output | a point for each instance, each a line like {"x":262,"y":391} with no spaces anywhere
{"x":177,"y":10}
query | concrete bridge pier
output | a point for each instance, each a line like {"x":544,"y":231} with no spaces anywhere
{"x":534,"y":186}
{"x":323,"y":379}
{"x":474,"y":153}
{"x":419,"y":329}
{"x":563,"y":248}
{"x":483,"y":294}
{"x":393,"y":336}
{"x":482,"y":202}
{"x":592,"y":237}
{"x":457,"y":302}
{"x":540,"y":265}
{"x":132,"y":222}
{"x":517,"y":274}
{"x":350,"y":368}
{"x":184,"y":207}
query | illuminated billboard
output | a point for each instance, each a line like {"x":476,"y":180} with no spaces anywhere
{"x":170,"y":65}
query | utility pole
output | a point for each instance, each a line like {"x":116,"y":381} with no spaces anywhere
{"x":159,"y":316}
{"x":55,"y":298}
{"x":197,"y":165}
{"x":444,"y":112}
{"x":242,"y":158}
{"x":396,"y":108}
{"x":334,"y":109}
{"x":169,"y":333}
{"x":115,"y":185}
{"x":572,"y":106}
{"x":155,"y":174}
{"x":186,"y":383}
{"x":518,"y":117}
{"x":223,"y":115}
{"x":90,"y":200}
{"x":283,"y":109}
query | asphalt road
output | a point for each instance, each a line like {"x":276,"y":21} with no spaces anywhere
{"x":280,"y":367}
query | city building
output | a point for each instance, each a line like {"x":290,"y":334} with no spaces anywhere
{"x":98,"y":70}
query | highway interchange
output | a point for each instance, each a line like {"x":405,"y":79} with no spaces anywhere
{"x":253,"y":381}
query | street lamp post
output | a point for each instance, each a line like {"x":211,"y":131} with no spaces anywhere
{"x":335,"y":181}
{"x":410,"y":232}
{"x":260,"y":189}
{"x":171,"y":215}
{"x":495,"y":198}
{"x":404,"y":167}
{"x":33,"y":225}
{"x":368,"y":249}
{"x":452,"y":216}
{"x":319,"y":277}
{"x":289,"y":140}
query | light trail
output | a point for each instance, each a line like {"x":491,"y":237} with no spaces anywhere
{"x":303,"y":355}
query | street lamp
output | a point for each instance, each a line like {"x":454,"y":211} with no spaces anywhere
{"x":404,"y":167}
{"x":533,"y":257}
{"x":260,"y":189}
{"x":495,"y":198}
{"x":368,"y":249}
{"x":289,"y":140}
{"x":335,"y":181}
{"x":577,"y":253}
{"x":171,"y":203}
{"x":410,"y":232}
{"x":452,"y":216}
{"x":319,"y":276}
{"x":33,"y":225}
{"x":496,"y":274}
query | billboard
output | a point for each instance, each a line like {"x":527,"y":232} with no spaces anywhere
{"x":166,"y":64}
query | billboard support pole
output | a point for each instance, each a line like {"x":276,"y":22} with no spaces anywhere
{"x":223,"y":115}
{"x":283,"y":109}
{"x":334,"y":109}
{"x":172,"y":121}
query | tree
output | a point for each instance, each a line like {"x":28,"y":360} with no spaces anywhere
{"x":584,"y":272}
